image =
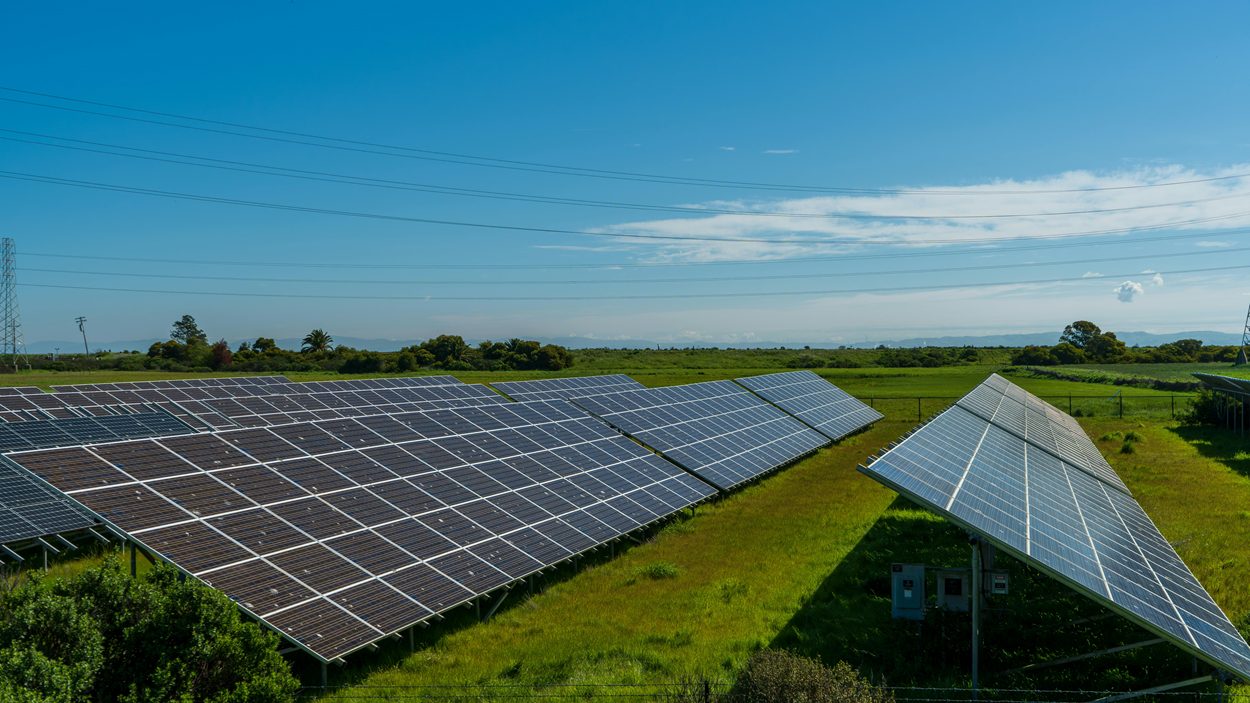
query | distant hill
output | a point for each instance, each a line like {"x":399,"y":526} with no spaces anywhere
{"x":1133,"y":339}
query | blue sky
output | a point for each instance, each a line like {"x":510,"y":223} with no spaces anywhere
{"x":971,"y":109}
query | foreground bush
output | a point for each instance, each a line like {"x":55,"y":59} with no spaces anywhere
{"x":104,"y":636}
{"x":777,"y":676}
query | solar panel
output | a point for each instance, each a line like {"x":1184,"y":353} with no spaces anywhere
{"x":1225,"y":384}
{"x":552,"y":388}
{"x":1023,"y":414}
{"x":176,"y":383}
{"x":227,"y":405}
{"x":828,"y":409}
{"x":1086,"y":532}
{"x":29,"y":509}
{"x":339,"y":533}
{"x":718,"y":430}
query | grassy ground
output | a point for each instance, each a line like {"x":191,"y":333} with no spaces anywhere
{"x":1166,"y":372}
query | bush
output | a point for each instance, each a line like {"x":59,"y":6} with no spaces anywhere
{"x":777,"y":676}
{"x":659,"y":570}
{"x":104,"y":636}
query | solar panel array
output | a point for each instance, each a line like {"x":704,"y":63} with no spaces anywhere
{"x":1088,"y":532}
{"x":340,"y":532}
{"x":718,"y":430}
{"x":270,"y":400}
{"x":828,"y":409}
{"x":552,"y":388}
{"x":1226,"y":384}
{"x":174,"y":383}
{"x":28,"y":508}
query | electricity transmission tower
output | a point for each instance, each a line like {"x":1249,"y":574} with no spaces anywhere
{"x":13,"y":346}
{"x":1245,"y":343}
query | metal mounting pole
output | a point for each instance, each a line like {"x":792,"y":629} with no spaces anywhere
{"x":133,"y":565}
{"x":976,"y":612}
{"x":325,"y":675}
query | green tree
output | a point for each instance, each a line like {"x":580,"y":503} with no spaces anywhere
{"x":1105,"y":348}
{"x":447,"y":348}
{"x":1079,"y":333}
{"x":316,"y":341}
{"x":1068,"y":353}
{"x":188,"y":332}
{"x":1033,"y":355}
{"x":264,"y":344}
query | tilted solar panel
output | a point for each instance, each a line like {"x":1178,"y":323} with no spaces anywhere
{"x":1225,"y":384}
{"x":28,"y":508}
{"x":1023,"y":414}
{"x":718,"y":430}
{"x":551,"y":388}
{"x":339,"y":533}
{"x":1088,"y":533}
{"x":830,"y":410}
{"x":173,"y":383}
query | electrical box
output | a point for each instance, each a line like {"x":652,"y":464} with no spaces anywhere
{"x":907,"y":591}
{"x":953,"y":589}
{"x":998,"y":583}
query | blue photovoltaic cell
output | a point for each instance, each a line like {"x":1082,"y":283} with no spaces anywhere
{"x":1063,"y":518}
{"x":719,"y":431}
{"x":552,"y":388}
{"x":829,"y":409}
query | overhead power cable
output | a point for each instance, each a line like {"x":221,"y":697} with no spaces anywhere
{"x":256,"y":263}
{"x":675,"y":296}
{"x":646,"y":281}
{"x":95,"y":185}
{"x":364,"y":146}
{"x":389,"y":184}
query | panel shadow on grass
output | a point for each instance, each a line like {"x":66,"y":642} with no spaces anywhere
{"x":848,"y":619}
{"x":1226,"y":446}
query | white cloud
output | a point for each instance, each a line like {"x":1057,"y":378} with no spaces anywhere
{"x":727,"y":148}
{"x":781,"y":151}
{"x":1091,"y":274}
{"x":1127,"y":290}
{"x":938,"y":215}
{"x":1156,"y":280}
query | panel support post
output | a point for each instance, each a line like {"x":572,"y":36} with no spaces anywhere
{"x":412,"y":639}
{"x":133,"y":556}
{"x":325,"y":676}
{"x":45,"y":559}
{"x":976,"y":612}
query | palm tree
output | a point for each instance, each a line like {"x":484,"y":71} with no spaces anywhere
{"x":317,"y":341}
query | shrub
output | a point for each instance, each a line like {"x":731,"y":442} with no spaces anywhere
{"x":1127,"y":447}
{"x":777,"y":676}
{"x":659,"y":570}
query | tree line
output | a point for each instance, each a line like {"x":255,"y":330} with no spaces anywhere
{"x":1084,"y":342}
{"x":188,"y":349}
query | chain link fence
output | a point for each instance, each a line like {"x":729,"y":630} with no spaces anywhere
{"x":1154,"y":407}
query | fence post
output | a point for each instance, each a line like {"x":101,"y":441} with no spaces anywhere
{"x":1069,"y":403}
{"x":1173,"y":407}
{"x":918,"y":416}
{"x":1121,"y":406}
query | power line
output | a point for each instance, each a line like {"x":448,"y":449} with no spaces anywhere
{"x":669,"y":264}
{"x":681,"y":296}
{"x":534,"y":166}
{"x":366,"y":181}
{"x":688,"y":280}
{"x":95,"y":185}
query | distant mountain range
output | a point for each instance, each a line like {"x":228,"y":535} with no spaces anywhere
{"x":1142,"y":339}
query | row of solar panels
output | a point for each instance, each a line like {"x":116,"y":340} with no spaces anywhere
{"x":338,"y":532}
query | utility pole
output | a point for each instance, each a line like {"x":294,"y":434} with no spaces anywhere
{"x":14,"y":346}
{"x":1245,"y":344}
{"x":82,"y":322}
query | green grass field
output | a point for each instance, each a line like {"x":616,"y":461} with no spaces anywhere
{"x":800,"y":560}
{"x":1166,"y":372}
